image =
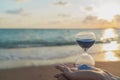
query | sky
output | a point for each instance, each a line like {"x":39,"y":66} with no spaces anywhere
{"x":59,"y":13}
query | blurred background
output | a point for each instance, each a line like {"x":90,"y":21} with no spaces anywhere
{"x":42,"y":32}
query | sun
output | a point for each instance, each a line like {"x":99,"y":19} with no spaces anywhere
{"x":108,"y":11}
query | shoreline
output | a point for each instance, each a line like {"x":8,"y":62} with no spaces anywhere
{"x":11,"y":64}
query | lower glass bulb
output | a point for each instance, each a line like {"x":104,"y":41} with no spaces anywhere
{"x":85,"y":62}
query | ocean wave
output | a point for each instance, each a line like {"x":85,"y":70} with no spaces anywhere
{"x":25,"y":44}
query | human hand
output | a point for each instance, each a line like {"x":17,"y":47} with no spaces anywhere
{"x":95,"y":74}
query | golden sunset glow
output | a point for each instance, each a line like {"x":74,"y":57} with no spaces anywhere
{"x":110,"y":56}
{"x":108,"y":34}
{"x":59,"y":14}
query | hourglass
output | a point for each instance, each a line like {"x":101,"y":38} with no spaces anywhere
{"x":85,"y":41}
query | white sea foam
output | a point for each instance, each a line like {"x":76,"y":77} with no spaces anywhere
{"x":42,"y":53}
{"x":19,"y":57}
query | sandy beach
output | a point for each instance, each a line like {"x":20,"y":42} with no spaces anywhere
{"x":34,"y":56}
{"x":47,"y":72}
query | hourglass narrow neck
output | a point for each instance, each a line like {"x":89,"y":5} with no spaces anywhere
{"x":85,"y":50}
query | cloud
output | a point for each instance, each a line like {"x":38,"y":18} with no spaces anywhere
{"x":116,"y":20}
{"x":90,"y":18}
{"x":64,"y":15}
{"x":61,"y":3}
{"x":89,"y":8}
{"x":95,"y":22}
{"x":90,"y":21}
{"x":17,"y":11}
{"x":54,"y":22}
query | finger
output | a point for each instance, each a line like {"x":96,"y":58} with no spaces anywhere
{"x":62,"y":78}
{"x":60,"y":67}
{"x":74,"y":69}
{"x":97,"y":69}
{"x":67,"y":67}
{"x":75,"y":65}
{"x":108,"y":73}
{"x":63,"y":68}
{"x":58,"y":75}
{"x":70,"y":65}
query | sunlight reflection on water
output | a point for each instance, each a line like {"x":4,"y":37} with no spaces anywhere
{"x":110,"y":36}
{"x":110,"y":56}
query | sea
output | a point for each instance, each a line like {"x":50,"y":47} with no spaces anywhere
{"x":22,"y":38}
{"x":21,"y":47}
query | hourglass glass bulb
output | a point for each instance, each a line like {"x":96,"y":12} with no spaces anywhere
{"x":85,"y":41}
{"x":85,"y":62}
